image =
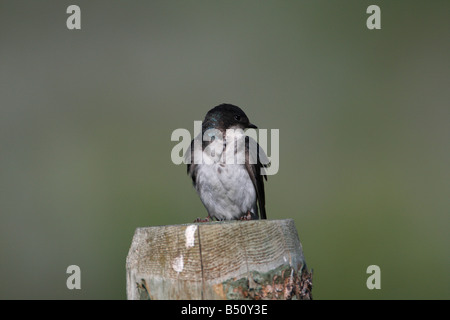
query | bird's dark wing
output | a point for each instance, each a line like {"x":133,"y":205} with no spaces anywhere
{"x":255,"y":161}
{"x":191,"y":166}
{"x":189,"y":157}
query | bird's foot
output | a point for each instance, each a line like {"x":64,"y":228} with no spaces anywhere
{"x":246,"y":217}
{"x":207,"y":219}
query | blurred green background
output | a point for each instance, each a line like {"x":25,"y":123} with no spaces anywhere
{"x":86,"y":118}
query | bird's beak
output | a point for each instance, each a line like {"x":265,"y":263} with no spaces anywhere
{"x":250,"y":125}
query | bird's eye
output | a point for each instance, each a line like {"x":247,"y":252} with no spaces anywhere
{"x":237,"y":117}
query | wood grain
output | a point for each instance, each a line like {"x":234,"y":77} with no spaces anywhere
{"x":258,"y":259}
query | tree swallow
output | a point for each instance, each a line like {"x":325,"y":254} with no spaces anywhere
{"x":226,"y":168}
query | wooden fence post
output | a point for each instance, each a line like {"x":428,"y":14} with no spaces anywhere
{"x":257,"y":259}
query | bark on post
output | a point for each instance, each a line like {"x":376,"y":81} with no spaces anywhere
{"x":258,"y":259}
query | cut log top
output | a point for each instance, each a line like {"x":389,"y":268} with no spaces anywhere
{"x":258,"y":259}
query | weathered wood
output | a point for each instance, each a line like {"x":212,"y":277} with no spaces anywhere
{"x":258,"y":259}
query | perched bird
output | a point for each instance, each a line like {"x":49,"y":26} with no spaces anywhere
{"x":226,"y":168}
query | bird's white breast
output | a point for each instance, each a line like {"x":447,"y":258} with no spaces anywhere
{"x":226,"y":190}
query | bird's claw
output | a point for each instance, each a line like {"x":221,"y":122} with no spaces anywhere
{"x":207,"y":219}
{"x":246,"y":217}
